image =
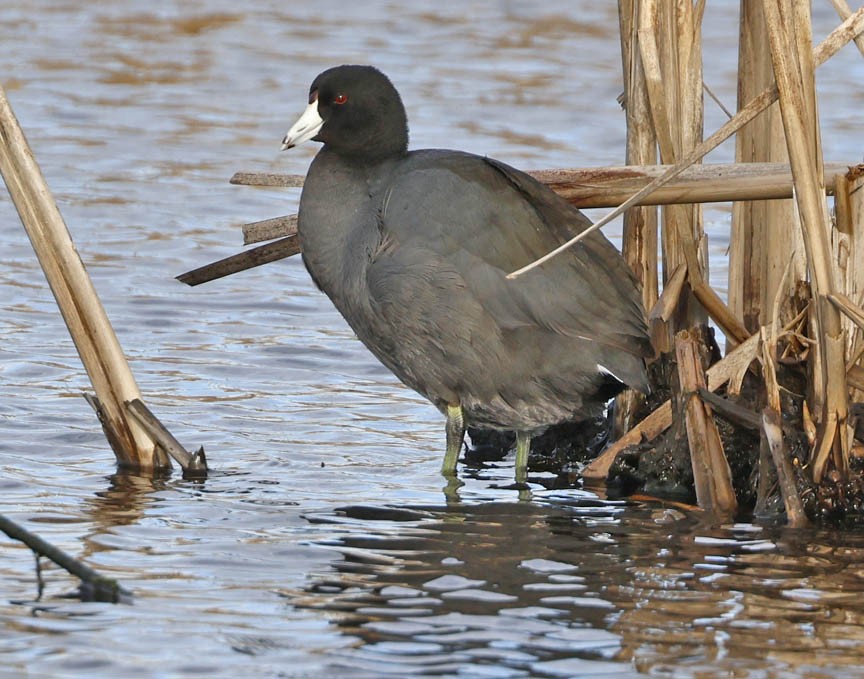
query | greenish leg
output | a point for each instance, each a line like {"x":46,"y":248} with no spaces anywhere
{"x":523,"y":445}
{"x":455,"y":436}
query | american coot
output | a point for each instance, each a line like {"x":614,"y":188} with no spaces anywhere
{"x":413,"y":249}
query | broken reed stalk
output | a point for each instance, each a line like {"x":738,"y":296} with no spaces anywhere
{"x":772,"y":435}
{"x":788,"y":24}
{"x":660,"y":317}
{"x":268,"y":229}
{"x":824,"y":51}
{"x":263,"y":254}
{"x":194,"y":465}
{"x":76,"y":297}
{"x":711,"y":475}
{"x":771,"y":432}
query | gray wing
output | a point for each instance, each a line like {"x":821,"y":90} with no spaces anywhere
{"x":462,"y":223}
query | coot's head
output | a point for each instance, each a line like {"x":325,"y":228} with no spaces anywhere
{"x":355,"y":111}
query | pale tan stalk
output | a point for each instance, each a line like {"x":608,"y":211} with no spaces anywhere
{"x":76,"y":297}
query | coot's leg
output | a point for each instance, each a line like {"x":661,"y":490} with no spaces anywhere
{"x":523,"y":445}
{"x":455,"y":436}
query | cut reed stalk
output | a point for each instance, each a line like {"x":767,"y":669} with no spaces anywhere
{"x":711,"y":475}
{"x":76,"y":297}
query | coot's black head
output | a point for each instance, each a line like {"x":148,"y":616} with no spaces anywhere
{"x":355,"y":111}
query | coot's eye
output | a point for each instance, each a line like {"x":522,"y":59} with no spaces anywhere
{"x":340,"y":99}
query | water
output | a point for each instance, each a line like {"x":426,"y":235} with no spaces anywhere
{"x":322,"y":545}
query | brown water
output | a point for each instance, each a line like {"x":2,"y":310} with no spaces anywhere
{"x":322,"y":545}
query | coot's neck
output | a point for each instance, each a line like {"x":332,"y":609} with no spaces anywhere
{"x":366,"y":167}
{"x":380,"y":150}
{"x":338,"y":215}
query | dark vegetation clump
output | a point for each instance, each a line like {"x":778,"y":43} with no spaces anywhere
{"x":662,"y":468}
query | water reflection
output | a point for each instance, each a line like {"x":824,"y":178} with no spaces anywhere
{"x":582,"y":587}
{"x":125,"y":500}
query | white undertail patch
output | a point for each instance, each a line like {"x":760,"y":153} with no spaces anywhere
{"x":604,"y":370}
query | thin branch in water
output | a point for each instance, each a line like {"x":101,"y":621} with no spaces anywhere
{"x":94,"y":587}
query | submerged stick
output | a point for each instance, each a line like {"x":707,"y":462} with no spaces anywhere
{"x":76,"y":296}
{"x":94,"y":587}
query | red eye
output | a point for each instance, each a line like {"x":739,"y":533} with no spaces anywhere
{"x":340,"y":99}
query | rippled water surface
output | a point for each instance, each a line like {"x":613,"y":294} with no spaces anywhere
{"x":322,"y":544}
